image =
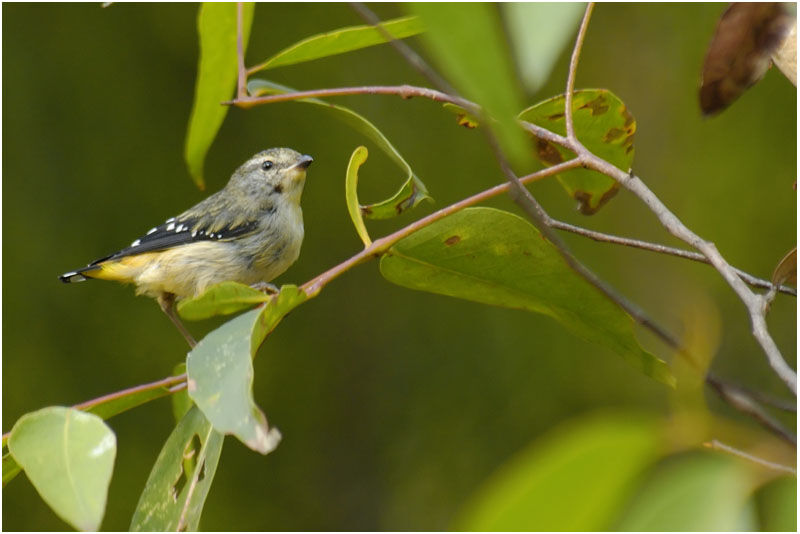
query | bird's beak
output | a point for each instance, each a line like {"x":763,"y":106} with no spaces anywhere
{"x":304,"y":162}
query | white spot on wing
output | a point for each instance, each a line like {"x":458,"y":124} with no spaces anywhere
{"x":170,"y":227}
{"x":136,"y":243}
{"x":151,"y":230}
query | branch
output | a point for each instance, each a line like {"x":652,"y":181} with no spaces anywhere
{"x":755,"y":304}
{"x":172,"y":383}
{"x":404,"y":91}
{"x":663,"y":249}
{"x":719,"y":446}
{"x":744,"y":402}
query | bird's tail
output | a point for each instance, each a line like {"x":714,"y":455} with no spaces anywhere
{"x":79,"y":275}
{"x":121,"y":270}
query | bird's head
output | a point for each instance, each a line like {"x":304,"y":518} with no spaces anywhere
{"x":275,"y":171}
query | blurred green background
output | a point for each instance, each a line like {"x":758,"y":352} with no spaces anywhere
{"x":394,"y":405}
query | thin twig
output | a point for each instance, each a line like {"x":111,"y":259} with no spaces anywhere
{"x":413,"y":59}
{"x":404,"y":91}
{"x":573,"y":69}
{"x":719,"y":446}
{"x":663,"y":249}
{"x":753,"y":302}
{"x":744,"y":402}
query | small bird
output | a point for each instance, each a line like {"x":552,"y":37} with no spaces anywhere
{"x":248,"y":232}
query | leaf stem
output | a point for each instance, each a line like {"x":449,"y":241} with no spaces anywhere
{"x":719,"y":446}
{"x":573,"y":69}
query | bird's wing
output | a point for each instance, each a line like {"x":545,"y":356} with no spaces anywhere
{"x":176,"y":231}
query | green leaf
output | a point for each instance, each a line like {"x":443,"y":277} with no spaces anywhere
{"x":777,"y":505}
{"x":289,"y":298}
{"x":220,"y":370}
{"x":694,"y":492}
{"x":493,"y":257}
{"x":604,"y":126}
{"x":358,"y":158}
{"x":538,"y":32}
{"x":411,"y":193}
{"x":216,"y":78}
{"x":10,"y":468}
{"x":575,"y":479}
{"x":68,"y":456}
{"x":221,"y":299}
{"x":341,"y":41}
{"x":108,"y":407}
{"x":181,"y":403}
{"x":469,"y":44}
{"x":178,"y":484}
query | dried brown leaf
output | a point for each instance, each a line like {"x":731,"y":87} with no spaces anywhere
{"x":739,"y":54}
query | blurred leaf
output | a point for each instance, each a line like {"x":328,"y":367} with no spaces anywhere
{"x":68,"y":456}
{"x":538,"y":32}
{"x":465,"y":118}
{"x":181,"y":403}
{"x":469,"y":45}
{"x":289,"y":297}
{"x":785,"y":57}
{"x":411,"y":193}
{"x":341,"y":41}
{"x":178,"y":484}
{"x":777,"y":505}
{"x":357,"y":159}
{"x":604,"y":126}
{"x":575,"y":479}
{"x":786,"y":271}
{"x":10,"y":468}
{"x":694,"y":492}
{"x":739,"y":54}
{"x":491,"y":256}
{"x":220,"y":370}
{"x":221,"y":299}
{"x":216,"y":78}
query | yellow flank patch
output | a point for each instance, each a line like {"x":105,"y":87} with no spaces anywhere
{"x":123,"y":269}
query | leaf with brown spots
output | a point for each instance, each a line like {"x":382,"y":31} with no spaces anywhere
{"x":464,"y":117}
{"x":739,"y":54}
{"x":493,"y":257}
{"x":604,"y":126}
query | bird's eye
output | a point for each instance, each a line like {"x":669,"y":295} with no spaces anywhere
{"x":267,"y":165}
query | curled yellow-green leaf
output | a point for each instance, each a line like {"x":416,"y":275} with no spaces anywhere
{"x":358,"y":158}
